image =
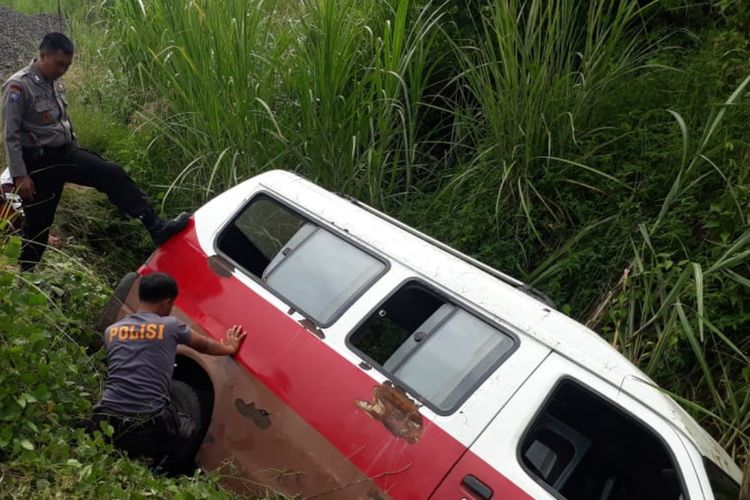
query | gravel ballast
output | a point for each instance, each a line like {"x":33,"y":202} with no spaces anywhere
{"x":20,"y":35}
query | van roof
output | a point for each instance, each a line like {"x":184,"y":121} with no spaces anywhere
{"x":499,"y":299}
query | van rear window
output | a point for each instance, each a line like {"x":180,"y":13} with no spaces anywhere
{"x":315,"y":271}
{"x":436,"y":349}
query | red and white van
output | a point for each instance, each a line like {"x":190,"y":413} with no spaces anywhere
{"x":380,"y":363}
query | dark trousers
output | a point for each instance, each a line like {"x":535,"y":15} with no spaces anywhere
{"x":166,"y":437}
{"x":50,"y":169}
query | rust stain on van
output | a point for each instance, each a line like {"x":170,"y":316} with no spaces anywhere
{"x":260,"y":417}
{"x":395,"y":410}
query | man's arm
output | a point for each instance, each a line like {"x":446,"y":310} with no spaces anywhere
{"x":227,"y":347}
{"x":13,"y":106}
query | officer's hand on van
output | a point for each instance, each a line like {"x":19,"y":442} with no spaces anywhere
{"x":25,"y":187}
{"x":234,"y":338}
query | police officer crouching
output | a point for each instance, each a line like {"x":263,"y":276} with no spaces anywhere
{"x":43,"y":154}
{"x":136,"y":400}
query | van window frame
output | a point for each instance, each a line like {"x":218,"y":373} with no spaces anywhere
{"x":458,"y":302}
{"x":616,"y":408}
{"x":322,"y":224}
{"x":712,"y":469}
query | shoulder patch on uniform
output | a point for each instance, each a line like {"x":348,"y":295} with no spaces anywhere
{"x":16,"y":87}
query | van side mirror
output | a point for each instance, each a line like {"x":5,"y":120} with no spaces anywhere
{"x":745,"y":491}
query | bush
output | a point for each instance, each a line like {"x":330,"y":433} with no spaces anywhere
{"x":48,"y":383}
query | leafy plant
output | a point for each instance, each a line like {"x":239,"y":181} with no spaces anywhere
{"x":47,"y":385}
{"x":332,"y":89}
{"x":663,"y":302}
{"x":532,"y":88}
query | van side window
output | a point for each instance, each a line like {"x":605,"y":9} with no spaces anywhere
{"x":437,"y":350}
{"x":582,"y":447}
{"x":315,"y":271}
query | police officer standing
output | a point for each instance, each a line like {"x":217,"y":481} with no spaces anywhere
{"x":43,"y":153}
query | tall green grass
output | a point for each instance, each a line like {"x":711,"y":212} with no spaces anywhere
{"x":532,"y":86}
{"x":359,"y":79}
{"x":662,"y":304}
{"x":328,"y":88}
{"x":210,"y":72}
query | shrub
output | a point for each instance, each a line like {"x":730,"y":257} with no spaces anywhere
{"x":48,"y":382}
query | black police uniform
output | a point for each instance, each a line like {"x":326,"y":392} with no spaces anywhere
{"x":39,"y":142}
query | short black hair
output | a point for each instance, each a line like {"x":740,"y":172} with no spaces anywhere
{"x":156,"y":287}
{"x":53,"y":42}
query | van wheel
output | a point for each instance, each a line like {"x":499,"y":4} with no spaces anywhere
{"x":187,"y":401}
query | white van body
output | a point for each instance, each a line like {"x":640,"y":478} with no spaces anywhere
{"x":484,"y":445}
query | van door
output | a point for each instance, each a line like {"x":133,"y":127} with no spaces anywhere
{"x":569,"y":434}
{"x":441,"y":364}
{"x":280,"y":406}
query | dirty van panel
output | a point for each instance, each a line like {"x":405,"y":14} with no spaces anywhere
{"x":293,"y":378}
{"x":255,"y":435}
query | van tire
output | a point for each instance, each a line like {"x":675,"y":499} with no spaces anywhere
{"x":186,"y":400}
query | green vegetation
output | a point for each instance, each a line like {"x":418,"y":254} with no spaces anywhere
{"x":534,"y":82}
{"x":598,"y":150}
{"x":51,"y":375}
{"x":32,"y":7}
{"x":332,"y":89}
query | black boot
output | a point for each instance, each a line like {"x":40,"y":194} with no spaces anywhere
{"x":161,"y":230}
